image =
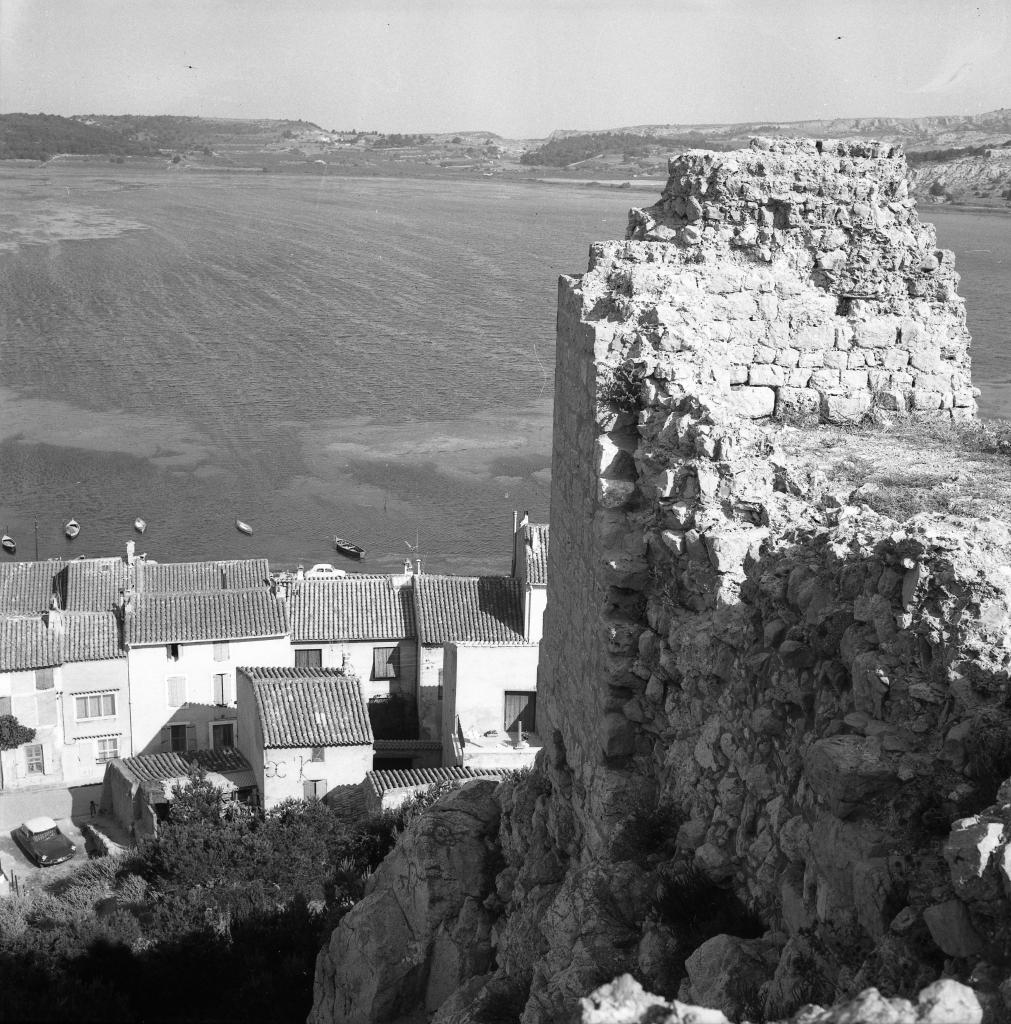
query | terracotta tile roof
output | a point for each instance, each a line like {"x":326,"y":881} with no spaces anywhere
{"x":216,"y":615}
{"x":193,"y":577}
{"x":26,"y":642}
{"x":91,"y":636}
{"x":309,"y":707}
{"x":535,"y":553}
{"x":93,"y":584}
{"x":410,"y":778}
{"x":156,"y":767}
{"x":26,"y":587}
{"x":407,"y":745}
{"x":351,"y":608}
{"x":468,"y":608}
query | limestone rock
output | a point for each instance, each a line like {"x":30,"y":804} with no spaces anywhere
{"x":952,"y":929}
{"x":728,"y":973}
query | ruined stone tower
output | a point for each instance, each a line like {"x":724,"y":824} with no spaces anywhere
{"x":775,"y":701}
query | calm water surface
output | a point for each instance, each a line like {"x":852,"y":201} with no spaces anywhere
{"x":370,"y":358}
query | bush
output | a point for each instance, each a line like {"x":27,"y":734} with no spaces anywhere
{"x":622,"y":388}
{"x":646,"y":831}
{"x":698,"y":908}
{"x":13,"y":734}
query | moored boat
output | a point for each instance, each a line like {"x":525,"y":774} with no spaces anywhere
{"x":139,"y":525}
{"x":72,"y":529}
{"x":243,"y":527}
{"x":7,"y":543}
{"x":346,"y":547}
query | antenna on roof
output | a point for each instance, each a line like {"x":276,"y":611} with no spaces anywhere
{"x":414,"y":551}
{"x":36,"y":538}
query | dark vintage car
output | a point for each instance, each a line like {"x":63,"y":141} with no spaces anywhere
{"x":43,"y":842}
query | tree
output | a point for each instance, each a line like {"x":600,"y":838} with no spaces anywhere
{"x":13,"y":733}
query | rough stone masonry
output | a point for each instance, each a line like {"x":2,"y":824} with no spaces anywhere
{"x":777,"y":722}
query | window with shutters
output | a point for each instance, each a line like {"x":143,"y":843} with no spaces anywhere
{"x":309,"y":657}
{"x":384,"y":663}
{"x":44,"y":679}
{"x":179,"y":737}
{"x":318,"y":754}
{"x":95,"y":705}
{"x":35,"y":763}
{"x":108,"y":748}
{"x":172,"y":652}
{"x":176,"y":686}
{"x":521,"y":710}
{"x":222,"y":688}
{"x":314,"y":789}
{"x":221,"y":651}
{"x":5,"y":705}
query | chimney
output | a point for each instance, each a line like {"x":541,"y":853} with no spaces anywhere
{"x":53,"y":619}
{"x":408,"y":568}
{"x":417,"y":567}
{"x":300,"y":572}
{"x":131,"y":547}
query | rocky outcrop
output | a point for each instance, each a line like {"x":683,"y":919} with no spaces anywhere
{"x":777,"y":720}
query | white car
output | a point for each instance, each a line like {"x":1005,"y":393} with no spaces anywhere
{"x":324,"y":571}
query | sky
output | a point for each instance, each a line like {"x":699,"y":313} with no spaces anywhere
{"x":521,"y":68}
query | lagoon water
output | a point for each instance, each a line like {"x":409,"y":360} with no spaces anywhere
{"x":366,"y":357}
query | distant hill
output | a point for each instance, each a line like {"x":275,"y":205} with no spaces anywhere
{"x":958,"y":130}
{"x":40,"y":136}
{"x":175,"y":133}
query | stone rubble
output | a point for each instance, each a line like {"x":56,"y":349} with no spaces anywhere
{"x":778,"y":723}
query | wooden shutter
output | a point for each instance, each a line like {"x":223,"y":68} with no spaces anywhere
{"x":309,"y":657}
{"x":384,"y":663}
{"x":520,"y":711}
{"x":5,"y":705}
{"x":166,"y":738}
{"x":44,"y":679}
{"x":191,"y":737}
{"x":176,"y":691}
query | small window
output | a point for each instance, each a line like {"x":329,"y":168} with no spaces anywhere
{"x":222,"y":735}
{"x":176,"y":691}
{"x":96,"y":705}
{"x":108,"y":748}
{"x":34,"y":760}
{"x":222,"y":689}
{"x":44,"y":679}
{"x":318,"y":754}
{"x":5,"y":705}
{"x":221,"y":651}
{"x":314,"y":789}
{"x":309,"y":657}
{"x":384,"y":663}
{"x":172,"y":652}
{"x":179,"y":738}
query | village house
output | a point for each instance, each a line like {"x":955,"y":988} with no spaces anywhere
{"x":63,"y":674}
{"x":137,"y":791}
{"x":486,"y":610}
{"x":388,"y":790}
{"x":182,"y":653}
{"x":304,"y":731}
{"x":361,"y":623}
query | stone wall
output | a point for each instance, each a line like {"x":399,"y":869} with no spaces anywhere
{"x":779,"y":720}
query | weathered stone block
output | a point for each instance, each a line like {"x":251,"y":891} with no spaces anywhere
{"x":814,"y":336}
{"x":753,"y":402}
{"x":845,"y":408}
{"x":848,"y":771}
{"x":768,"y":375}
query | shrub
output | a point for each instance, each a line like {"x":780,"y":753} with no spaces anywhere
{"x":621,"y":387}
{"x":13,"y":734}
{"x":988,"y":757}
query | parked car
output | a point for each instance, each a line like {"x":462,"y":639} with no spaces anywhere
{"x":43,"y":842}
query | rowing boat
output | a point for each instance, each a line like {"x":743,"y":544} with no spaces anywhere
{"x":243,"y":527}
{"x":346,"y":547}
{"x":72,"y":529}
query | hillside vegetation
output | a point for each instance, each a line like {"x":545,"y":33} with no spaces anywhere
{"x":41,"y":136}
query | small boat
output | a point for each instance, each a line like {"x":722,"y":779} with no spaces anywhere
{"x":7,"y":543}
{"x":139,"y":525}
{"x":72,"y":529}
{"x":345,"y":547}
{"x":243,"y":527}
